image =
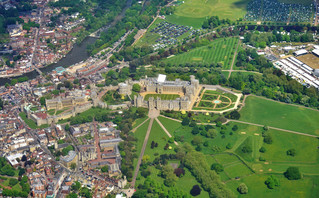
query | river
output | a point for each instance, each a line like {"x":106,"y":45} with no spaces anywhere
{"x":76,"y":55}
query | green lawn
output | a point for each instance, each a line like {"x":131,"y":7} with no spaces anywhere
{"x":306,"y":148}
{"x":271,"y":113}
{"x":200,"y":9}
{"x":162,"y":96}
{"x":139,"y":121}
{"x":30,"y":122}
{"x":219,"y":51}
{"x":139,"y":134}
{"x":170,"y":125}
{"x":304,"y":188}
{"x":161,"y":138}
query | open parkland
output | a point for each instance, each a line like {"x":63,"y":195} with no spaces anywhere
{"x":290,"y":126}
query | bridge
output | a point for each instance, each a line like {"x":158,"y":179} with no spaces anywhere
{"x":38,"y":70}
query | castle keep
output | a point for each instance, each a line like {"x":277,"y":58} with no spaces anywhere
{"x":187,"y":90}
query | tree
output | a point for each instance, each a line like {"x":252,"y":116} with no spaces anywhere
{"x":293,"y":173}
{"x":242,"y":188}
{"x":136,"y":88}
{"x":76,"y":186}
{"x":179,"y":172}
{"x":262,"y":149}
{"x":217,"y":167}
{"x":105,"y":169}
{"x":42,"y":100}
{"x":195,"y":190}
{"x":13,"y":182}
{"x":211,"y":133}
{"x":235,"y":128}
{"x":197,"y":140}
{"x":272,"y":182}
{"x":67,"y":127}
{"x":72,"y":195}
{"x":185,"y":121}
{"x":246,"y":149}
{"x":146,"y":172}
{"x":73,"y":166}
{"x":268,"y":138}
{"x":291,"y":152}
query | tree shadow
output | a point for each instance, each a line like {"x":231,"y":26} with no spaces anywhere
{"x":242,"y":4}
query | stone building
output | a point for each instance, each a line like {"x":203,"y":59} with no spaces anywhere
{"x":61,"y":103}
{"x":186,"y":89}
{"x":125,"y":89}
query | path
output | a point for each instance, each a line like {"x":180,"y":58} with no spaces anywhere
{"x":142,"y":152}
{"x":169,"y":135}
{"x":234,"y":58}
{"x":275,"y":128}
{"x":170,"y":118}
{"x":133,"y":130}
{"x":243,"y":71}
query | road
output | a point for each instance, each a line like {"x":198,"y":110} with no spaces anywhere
{"x":234,"y":58}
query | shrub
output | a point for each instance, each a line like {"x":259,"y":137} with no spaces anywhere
{"x":246,"y":149}
{"x":262,"y":149}
{"x":195,"y":190}
{"x":179,"y":172}
{"x":217,"y":167}
{"x":242,"y":188}
{"x":272,"y":182}
{"x":291,"y":152}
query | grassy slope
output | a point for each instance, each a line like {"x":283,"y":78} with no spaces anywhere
{"x":170,"y":125}
{"x":271,"y":113}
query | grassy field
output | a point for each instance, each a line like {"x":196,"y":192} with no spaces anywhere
{"x":200,"y":9}
{"x":162,"y":96}
{"x":160,"y":137}
{"x":139,"y":121}
{"x":304,"y":188}
{"x":170,"y":125}
{"x":149,"y":38}
{"x":219,"y":51}
{"x":261,"y":111}
{"x":139,"y":134}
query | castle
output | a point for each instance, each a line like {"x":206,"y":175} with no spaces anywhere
{"x":187,"y":90}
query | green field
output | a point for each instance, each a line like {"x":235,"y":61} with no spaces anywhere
{"x":160,"y":137}
{"x":149,"y":38}
{"x":200,"y":9}
{"x":219,"y":51}
{"x":162,"y":96}
{"x":139,"y":134}
{"x":265,"y":112}
{"x":304,"y":188}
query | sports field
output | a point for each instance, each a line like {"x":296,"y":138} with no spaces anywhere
{"x":219,"y":51}
{"x":266,"y":112}
{"x":200,"y":9}
{"x":162,"y":96}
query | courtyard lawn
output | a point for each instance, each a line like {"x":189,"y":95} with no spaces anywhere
{"x":304,"y":188}
{"x":162,"y":96}
{"x":160,"y":137}
{"x":265,"y":112}
{"x":219,"y":51}
{"x":31,"y":123}
{"x":200,"y":9}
